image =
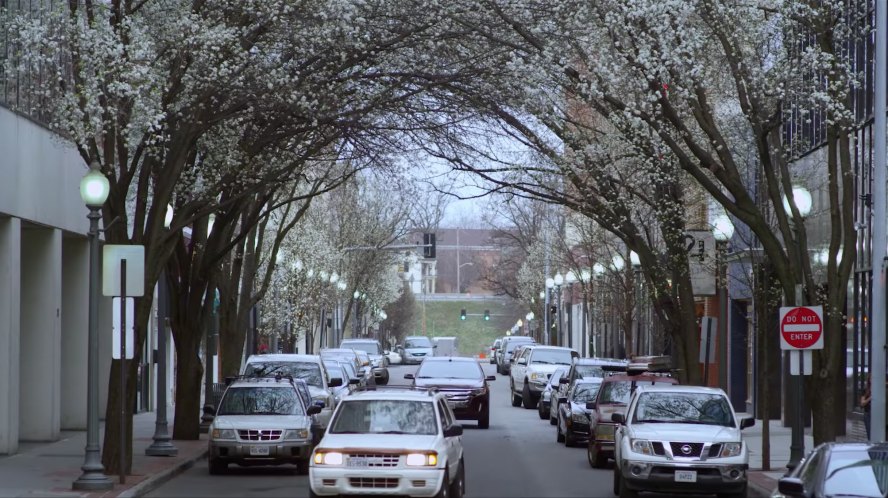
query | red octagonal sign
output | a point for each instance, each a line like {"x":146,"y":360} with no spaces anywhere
{"x":801,"y":327}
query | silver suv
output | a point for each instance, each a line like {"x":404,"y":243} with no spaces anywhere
{"x":378,"y":361}
{"x":261,"y":421}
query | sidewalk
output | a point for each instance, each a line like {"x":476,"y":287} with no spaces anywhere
{"x":48,"y":469}
{"x":763,"y":483}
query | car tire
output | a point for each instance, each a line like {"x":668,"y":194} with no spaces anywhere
{"x":616,"y":480}
{"x":484,"y":418}
{"x":458,"y":486}
{"x":738,"y":494}
{"x":559,"y":436}
{"x":625,"y":492}
{"x":217,"y":467}
{"x":596,"y":460}
{"x":384,"y":380}
{"x":444,"y":492}
{"x":568,"y":438}
{"x":516,"y":400}
{"x":302,"y":466}
{"x":553,"y":421}
{"x":540,"y":410}
{"x":527,"y":398}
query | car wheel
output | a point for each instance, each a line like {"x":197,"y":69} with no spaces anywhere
{"x":458,"y":487}
{"x":527,"y":399}
{"x":217,"y":467}
{"x":302,"y":466}
{"x":516,"y":400}
{"x":625,"y":492}
{"x":738,"y":494}
{"x":384,"y":380}
{"x":596,"y":459}
{"x":444,"y":492}
{"x":616,"y":481}
{"x":484,"y":419}
{"x":540,"y":410}
{"x":559,"y":436}
{"x":568,"y":438}
{"x":553,"y":421}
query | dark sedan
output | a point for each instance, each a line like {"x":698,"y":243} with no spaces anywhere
{"x":573,"y":416}
{"x":462,"y":382}
{"x":550,"y":393}
{"x":839,"y":469}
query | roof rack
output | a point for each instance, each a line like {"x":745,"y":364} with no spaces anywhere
{"x":430,"y":390}
{"x":256,"y":377}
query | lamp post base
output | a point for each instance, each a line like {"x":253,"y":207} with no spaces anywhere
{"x":92,"y":481}
{"x":161,"y":448}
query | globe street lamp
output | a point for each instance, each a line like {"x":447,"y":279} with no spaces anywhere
{"x":550,"y":283}
{"x":559,"y":279}
{"x":723,"y":230}
{"x":94,"y":190}
{"x":162,"y":445}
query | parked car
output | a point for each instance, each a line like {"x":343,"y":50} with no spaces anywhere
{"x":572,"y":425}
{"x":493,"y":348}
{"x":613,"y":397}
{"x":531,"y":371}
{"x":679,"y":439}
{"x":342,"y":354}
{"x":406,"y":438}
{"x":504,"y":354}
{"x":463,"y":383}
{"x":415,"y":349}
{"x":838,"y":469}
{"x":545,"y":407}
{"x":588,"y":367}
{"x":445,"y":346}
{"x":346,"y":384}
{"x":309,"y":368}
{"x":378,"y":360}
{"x":261,"y":421}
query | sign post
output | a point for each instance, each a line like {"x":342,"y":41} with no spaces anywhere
{"x":121,"y":280}
{"x":707,"y":346}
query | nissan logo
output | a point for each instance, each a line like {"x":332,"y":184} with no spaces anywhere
{"x":686,"y":449}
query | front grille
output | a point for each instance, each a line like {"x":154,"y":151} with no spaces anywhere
{"x":377,"y":459}
{"x":714,"y":450}
{"x":460,"y":396}
{"x":686,"y":449}
{"x":418,"y":483}
{"x":329,"y":482}
{"x":373,"y":482}
{"x":259,"y":435}
{"x":658,"y":448}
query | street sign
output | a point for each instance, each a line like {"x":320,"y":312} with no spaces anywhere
{"x":130,"y":326}
{"x":701,"y":261}
{"x":801,"y":327}
{"x":112,"y":255}
{"x":807,"y":359}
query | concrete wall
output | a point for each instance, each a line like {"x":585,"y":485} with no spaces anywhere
{"x":40,"y":366}
{"x":75,"y":321}
{"x":10,"y":255}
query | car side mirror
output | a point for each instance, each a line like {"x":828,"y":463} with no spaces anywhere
{"x":746,"y":422}
{"x":590,"y":405}
{"x":335,"y":382}
{"x":563,"y":380}
{"x":522,"y":361}
{"x":490,"y":377}
{"x":791,"y":486}
{"x":408,"y":376}
{"x":320,"y":403}
{"x":453,"y":431}
{"x":313,"y":410}
{"x":618,"y":418}
{"x":353,"y":382}
{"x":562,"y":400}
{"x":229,"y":380}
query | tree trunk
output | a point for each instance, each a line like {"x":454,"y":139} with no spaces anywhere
{"x":189,"y":376}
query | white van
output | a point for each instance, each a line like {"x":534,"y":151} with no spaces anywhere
{"x":445,"y":346}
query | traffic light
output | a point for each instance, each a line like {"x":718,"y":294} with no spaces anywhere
{"x":462,"y":314}
{"x":428,"y":245}
{"x":553,"y":310}
{"x":487,"y":315}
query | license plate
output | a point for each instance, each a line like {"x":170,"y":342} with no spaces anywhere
{"x":358,"y":462}
{"x":685,"y":476}
{"x":258,"y":450}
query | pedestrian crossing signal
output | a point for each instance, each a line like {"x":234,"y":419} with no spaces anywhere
{"x":487,"y":315}
{"x":462,"y":314}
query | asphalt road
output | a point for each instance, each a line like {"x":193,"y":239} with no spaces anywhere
{"x":516,"y":457}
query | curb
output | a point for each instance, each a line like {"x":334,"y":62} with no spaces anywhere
{"x":151,"y":483}
{"x":759,"y":486}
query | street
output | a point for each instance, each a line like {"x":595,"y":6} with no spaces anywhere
{"x":516,"y":457}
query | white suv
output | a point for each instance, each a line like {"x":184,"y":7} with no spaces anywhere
{"x":531,"y":371}
{"x":676,"y":439}
{"x":393,"y":441}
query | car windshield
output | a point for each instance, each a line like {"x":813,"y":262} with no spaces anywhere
{"x":350,"y":370}
{"x":307,"y":371}
{"x":258,"y":400}
{"x":584,"y":371}
{"x":367,"y":347}
{"x":385,"y":417}
{"x":857,"y":473}
{"x":555,"y":379}
{"x":684,"y":408}
{"x":615,"y":392}
{"x":449,"y":370}
{"x":551,"y":356}
{"x":335,"y":371}
{"x":586,"y":392}
{"x":418,"y":342}
{"x":511,"y":345}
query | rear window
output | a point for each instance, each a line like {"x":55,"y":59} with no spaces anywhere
{"x":584,"y":371}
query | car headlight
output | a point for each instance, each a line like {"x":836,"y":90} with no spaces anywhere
{"x":221,"y":434}
{"x":538,"y":377}
{"x":327,"y":458}
{"x":479,"y":391}
{"x":642,"y":446}
{"x":291,"y":434}
{"x":579,"y":417}
{"x":421,"y":459}
{"x":730,"y":449}
{"x":604,"y":432}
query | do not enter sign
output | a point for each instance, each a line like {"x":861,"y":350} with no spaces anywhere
{"x":801,"y":327}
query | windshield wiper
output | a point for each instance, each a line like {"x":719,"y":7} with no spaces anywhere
{"x":653,"y":421}
{"x":348,"y":432}
{"x":392,"y":432}
{"x":425,"y":377}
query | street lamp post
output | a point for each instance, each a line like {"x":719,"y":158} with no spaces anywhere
{"x":550,"y":282}
{"x":458,"y":281}
{"x":162,"y":445}
{"x":559,"y":279}
{"x":723,"y":230}
{"x":635,"y":261}
{"x":597,"y":272}
{"x":94,"y":189}
{"x":802,"y":199}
